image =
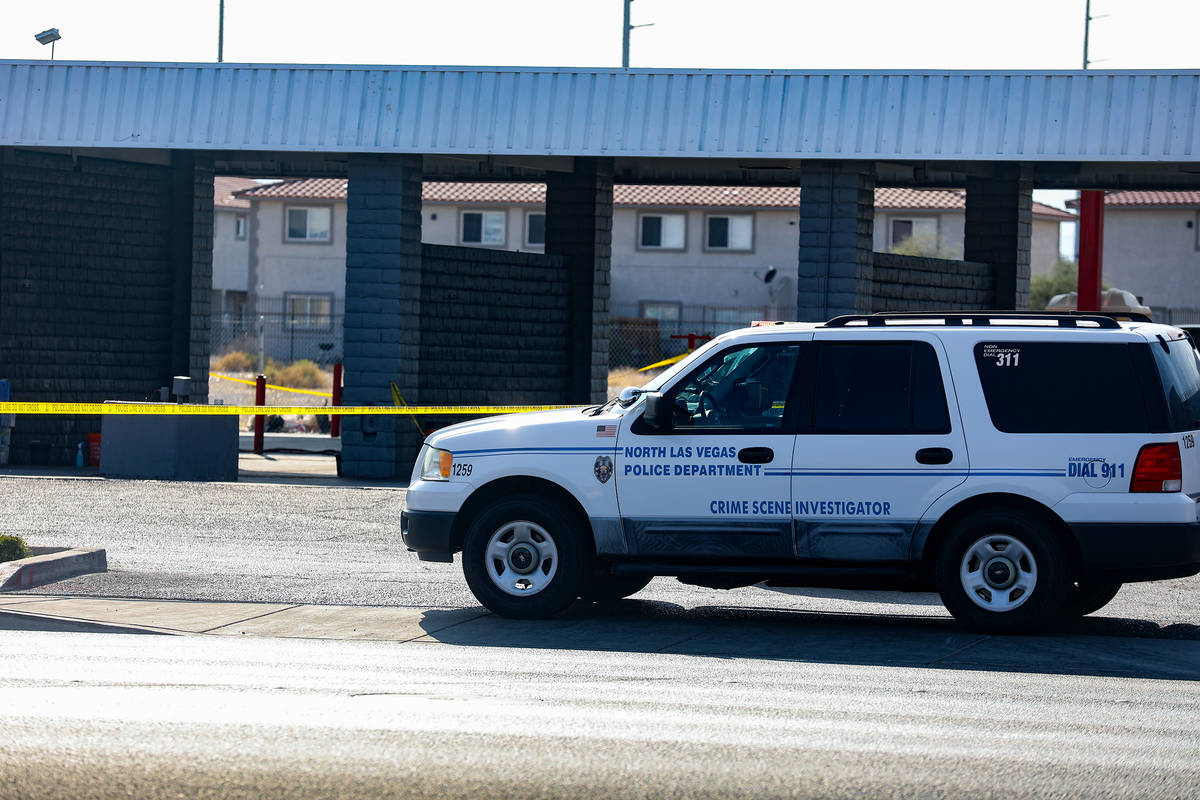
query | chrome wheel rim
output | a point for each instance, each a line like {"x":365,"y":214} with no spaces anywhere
{"x":521,"y":558}
{"x":998,"y":572}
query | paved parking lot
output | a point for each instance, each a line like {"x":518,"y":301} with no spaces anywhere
{"x":281,"y":543}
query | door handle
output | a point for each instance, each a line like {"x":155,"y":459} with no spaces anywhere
{"x":935,"y":455}
{"x":756,"y":455}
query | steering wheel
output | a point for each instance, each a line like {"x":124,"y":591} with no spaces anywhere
{"x":710,"y":411}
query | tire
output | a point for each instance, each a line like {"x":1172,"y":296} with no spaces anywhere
{"x":608,"y":588}
{"x":1088,"y":596}
{"x":524,"y":558}
{"x":1003,"y":571}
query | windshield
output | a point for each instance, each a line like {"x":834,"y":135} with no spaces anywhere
{"x":1179,"y":366}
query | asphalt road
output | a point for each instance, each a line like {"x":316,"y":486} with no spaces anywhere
{"x":110,"y":715}
{"x":264,"y":542}
{"x":680,"y":692}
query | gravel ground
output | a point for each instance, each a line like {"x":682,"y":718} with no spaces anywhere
{"x":262,"y":542}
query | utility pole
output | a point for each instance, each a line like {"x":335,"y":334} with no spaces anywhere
{"x":1091,"y":217}
{"x":1087,"y":28}
{"x":625,"y":29}
{"x":221,"y":31}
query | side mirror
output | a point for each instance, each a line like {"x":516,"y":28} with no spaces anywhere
{"x":658,"y":411}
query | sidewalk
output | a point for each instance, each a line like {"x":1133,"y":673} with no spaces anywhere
{"x":297,"y":469}
{"x":176,"y":617}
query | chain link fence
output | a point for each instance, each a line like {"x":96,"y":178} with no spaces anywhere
{"x":1176,"y":316}
{"x":286,"y":334}
{"x":637,"y":339}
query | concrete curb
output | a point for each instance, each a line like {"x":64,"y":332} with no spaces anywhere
{"x":38,"y":570}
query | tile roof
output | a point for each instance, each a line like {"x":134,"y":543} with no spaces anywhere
{"x":1147,"y":198}
{"x":224,"y":189}
{"x":635,"y":195}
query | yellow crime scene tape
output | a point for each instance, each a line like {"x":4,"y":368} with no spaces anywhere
{"x":164,"y":409}
{"x":271,"y":386}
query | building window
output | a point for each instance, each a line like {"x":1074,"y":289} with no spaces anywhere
{"x":733,"y":232}
{"x":902,"y":231}
{"x":483,"y":227}
{"x":235,"y":303}
{"x":923,"y":232}
{"x":308,"y":224}
{"x":311,"y":311}
{"x":663,"y":312}
{"x":535,"y":229}
{"x":662,"y":231}
{"x":239,"y":226}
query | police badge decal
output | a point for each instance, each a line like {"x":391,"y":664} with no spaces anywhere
{"x":603,"y":468}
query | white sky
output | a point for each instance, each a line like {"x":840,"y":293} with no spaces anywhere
{"x":759,"y":34}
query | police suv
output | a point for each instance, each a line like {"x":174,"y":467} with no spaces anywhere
{"x":1023,"y":465}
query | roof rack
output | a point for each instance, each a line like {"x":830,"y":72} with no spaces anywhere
{"x":1065,"y":319}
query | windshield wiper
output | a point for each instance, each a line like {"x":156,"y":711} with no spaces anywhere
{"x":603,"y":408}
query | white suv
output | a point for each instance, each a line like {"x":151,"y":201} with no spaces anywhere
{"x":1023,"y":465}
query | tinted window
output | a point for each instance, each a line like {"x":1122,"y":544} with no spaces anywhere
{"x":1061,"y":387}
{"x":744,"y":388}
{"x":1179,"y":367}
{"x":651,"y":231}
{"x":880,"y":387}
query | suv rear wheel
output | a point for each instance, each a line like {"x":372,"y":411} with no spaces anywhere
{"x":1002,"y":571}
{"x":523,"y":557}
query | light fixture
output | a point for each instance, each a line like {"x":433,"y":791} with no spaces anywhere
{"x":48,"y":36}
{"x":768,"y":275}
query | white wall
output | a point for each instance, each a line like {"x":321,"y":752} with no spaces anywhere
{"x":1153,"y":253}
{"x":440,"y":225}
{"x":231,"y":256}
{"x":697,"y":276}
{"x":280,"y":267}
{"x":1043,"y":246}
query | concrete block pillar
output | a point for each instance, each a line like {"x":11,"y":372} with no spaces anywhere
{"x":382,"y":326}
{"x":997,"y":229}
{"x":836,"y":258}
{"x":579,"y":229}
{"x":191,"y":254}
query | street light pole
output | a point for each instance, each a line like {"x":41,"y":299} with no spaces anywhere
{"x":625,"y":29}
{"x":221,"y":31}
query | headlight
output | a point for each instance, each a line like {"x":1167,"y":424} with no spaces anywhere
{"x":436,"y":466}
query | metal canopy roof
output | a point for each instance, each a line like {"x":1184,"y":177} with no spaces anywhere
{"x":1129,"y":116}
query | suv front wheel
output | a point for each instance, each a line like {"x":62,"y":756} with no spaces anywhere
{"x":524,"y":558}
{"x":1002,"y":571}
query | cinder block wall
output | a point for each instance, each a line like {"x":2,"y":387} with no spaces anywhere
{"x":495,"y":329}
{"x":88,"y":287}
{"x":911,"y":283}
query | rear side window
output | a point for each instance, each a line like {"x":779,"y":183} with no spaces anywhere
{"x":1179,"y":368}
{"x":1062,"y":387}
{"x":879,"y":387}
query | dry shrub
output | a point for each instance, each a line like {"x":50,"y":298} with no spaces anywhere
{"x":621,"y":377}
{"x":302,"y":374}
{"x":235,"y":361}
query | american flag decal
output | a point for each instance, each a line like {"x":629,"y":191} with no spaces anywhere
{"x":606,"y":431}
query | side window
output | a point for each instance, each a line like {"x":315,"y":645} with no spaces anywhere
{"x":879,"y":387}
{"x":745,"y":388}
{"x":1061,"y":387}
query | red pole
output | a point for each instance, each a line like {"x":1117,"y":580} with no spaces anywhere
{"x":260,"y":399}
{"x":1091,"y":249}
{"x":335,"y":422}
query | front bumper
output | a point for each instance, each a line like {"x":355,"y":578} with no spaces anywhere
{"x":430,"y":534}
{"x":1128,"y":551}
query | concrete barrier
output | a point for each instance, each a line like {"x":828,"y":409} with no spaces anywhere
{"x":48,"y":567}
